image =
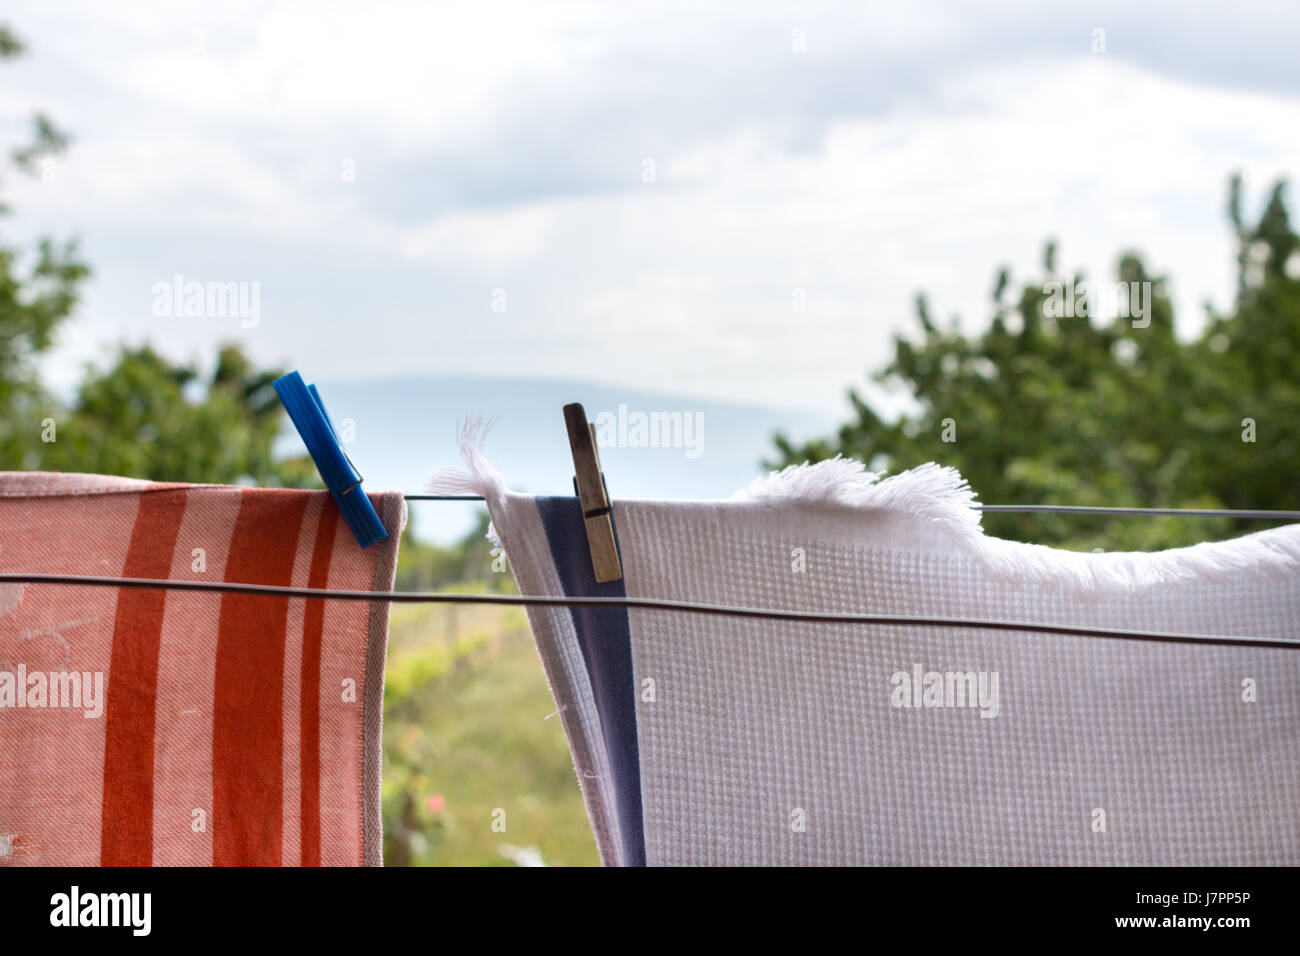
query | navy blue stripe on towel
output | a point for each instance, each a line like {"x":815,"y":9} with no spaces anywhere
{"x":605,"y":638}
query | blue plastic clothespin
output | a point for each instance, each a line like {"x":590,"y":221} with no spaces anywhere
{"x":307,"y":412}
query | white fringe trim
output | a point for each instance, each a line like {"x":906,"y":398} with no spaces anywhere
{"x":930,"y":492}
{"x":1273,"y":554}
{"x":481,"y":478}
{"x":938,"y":495}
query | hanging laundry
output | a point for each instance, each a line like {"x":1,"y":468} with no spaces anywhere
{"x":149,"y":727}
{"x":716,"y":739}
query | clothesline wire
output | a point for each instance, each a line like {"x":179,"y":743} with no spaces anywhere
{"x":653,"y":604}
{"x":1041,"y":509}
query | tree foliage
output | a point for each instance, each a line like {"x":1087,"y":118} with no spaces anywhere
{"x":142,"y":415}
{"x":38,"y":290}
{"x":1050,"y":410}
{"x":147,"y":417}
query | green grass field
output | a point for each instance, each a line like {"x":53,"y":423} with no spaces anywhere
{"x":475,"y":773}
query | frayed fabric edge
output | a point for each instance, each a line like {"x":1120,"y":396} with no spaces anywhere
{"x":939,"y":495}
{"x":932,"y":493}
{"x":1272,"y":554}
{"x":481,"y":477}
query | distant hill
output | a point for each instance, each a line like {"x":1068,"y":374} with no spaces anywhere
{"x":407,"y":426}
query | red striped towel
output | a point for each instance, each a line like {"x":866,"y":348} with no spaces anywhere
{"x":144,"y":727}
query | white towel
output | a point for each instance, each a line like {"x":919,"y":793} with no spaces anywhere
{"x":724,"y":740}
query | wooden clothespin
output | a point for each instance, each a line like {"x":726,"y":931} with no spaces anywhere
{"x":593,"y":497}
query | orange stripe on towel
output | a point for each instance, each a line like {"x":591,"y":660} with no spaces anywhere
{"x":126,"y":823}
{"x":313,"y":628}
{"x":248,"y":726}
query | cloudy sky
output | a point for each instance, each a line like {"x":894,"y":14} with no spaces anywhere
{"x":644,"y":187}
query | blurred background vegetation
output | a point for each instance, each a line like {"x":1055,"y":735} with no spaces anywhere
{"x":1077,"y":411}
{"x":1065,"y":411}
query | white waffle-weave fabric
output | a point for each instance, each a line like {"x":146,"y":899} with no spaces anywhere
{"x":777,"y":743}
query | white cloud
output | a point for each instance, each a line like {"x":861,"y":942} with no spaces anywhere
{"x":488,"y":240}
{"x":412,"y":69}
{"x":855,"y":191}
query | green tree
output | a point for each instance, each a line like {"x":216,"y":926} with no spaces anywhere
{"x":149,"y":418}
{"x":143,"y":416}
{"x":1054,"y":410}
{"x":38,"y":291}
